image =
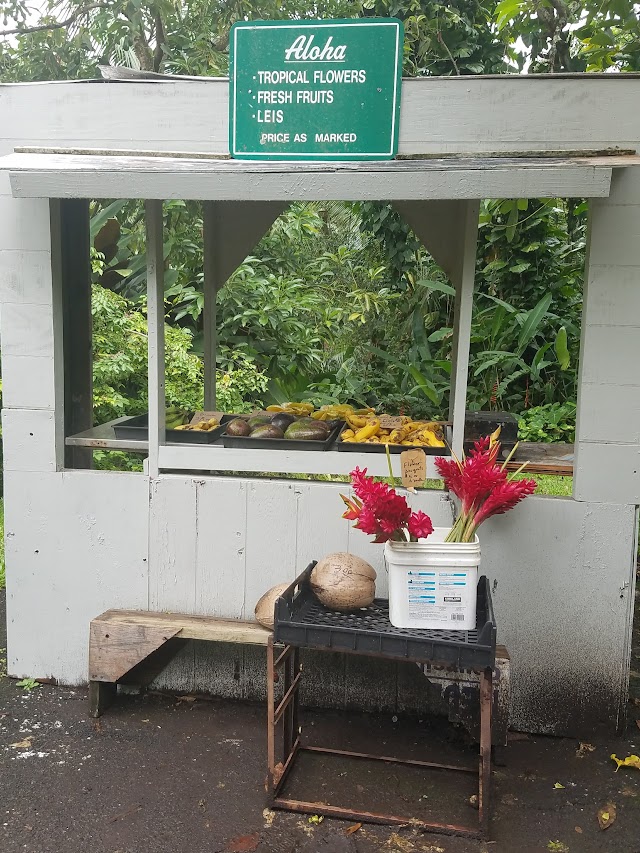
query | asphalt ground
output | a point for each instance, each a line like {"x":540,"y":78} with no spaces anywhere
{"x":167,"y":774}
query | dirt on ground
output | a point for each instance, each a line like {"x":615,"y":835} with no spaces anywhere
{"x":167,"y":774}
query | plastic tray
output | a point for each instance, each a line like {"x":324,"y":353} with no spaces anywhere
{"x":137,"y":428}
{"x":249,"y":443}
{"x":361,"y":447}
{"x":300,"y":620}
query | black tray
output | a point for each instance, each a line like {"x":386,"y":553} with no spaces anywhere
{"x":249,"y":443}
{"x":137,"y":428}
{"x":300,"y":620}
{"x":361,"y":447}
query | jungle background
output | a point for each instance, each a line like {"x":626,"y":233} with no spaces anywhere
{"x":340,"y":301}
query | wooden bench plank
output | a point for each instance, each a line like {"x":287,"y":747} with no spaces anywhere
{"x":191,"y":627}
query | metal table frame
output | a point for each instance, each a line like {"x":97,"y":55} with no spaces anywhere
{"x":287,"y":713}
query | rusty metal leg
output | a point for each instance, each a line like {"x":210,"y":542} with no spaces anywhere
{"x":484,"y":786}
{"x":295,"y":705}
{"x":271,"y":726}
{"x":287,"y":719}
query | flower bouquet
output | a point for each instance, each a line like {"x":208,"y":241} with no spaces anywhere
{"x":433,"y":572}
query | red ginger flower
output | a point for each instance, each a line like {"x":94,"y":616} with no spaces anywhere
{"x":380,"y":511}
{"x":505,"y":496}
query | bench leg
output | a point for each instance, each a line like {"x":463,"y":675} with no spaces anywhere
{"x":484,"y":792}
{"x":101,"y":695}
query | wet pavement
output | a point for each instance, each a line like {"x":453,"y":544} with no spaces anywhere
{"x":166,"y":774}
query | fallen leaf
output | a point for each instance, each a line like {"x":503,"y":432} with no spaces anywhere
{"x":579,"y":830}
{"x":629,"y":761}
{"x":269,"y":817}
{"x":201,"y":804}
{"x":221,"y":785}
{"x":352,"y":829}
{"x":583,"y":749}
{"x":606,"y":815}
{"x":558,"y":785}
{"x":403,"y":844}
{"x":638,"y":723}
{"x":626,"y":791}
{"x":315,"y":818}
{"x":243,"y":843}
{"x":186,"y":698}
{"x":23,"y":744}
{"x":557,"y":847}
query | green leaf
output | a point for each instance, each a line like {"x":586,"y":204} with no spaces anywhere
{"x":562,"y":351}
{"x":525,"y":265}
{"x":533,"y":320}
{"x":438,"y":285}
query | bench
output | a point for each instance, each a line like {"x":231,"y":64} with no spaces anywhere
{"x":134,"y":646}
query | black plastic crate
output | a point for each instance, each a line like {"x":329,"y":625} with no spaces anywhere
{"x":301,"y":620}
{"x":361,"y":447}
{"x":479,"y":424}
{"x":249,"y":443}
{"x":137,"y":428}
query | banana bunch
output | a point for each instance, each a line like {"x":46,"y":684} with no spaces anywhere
{"x":365,"y":429}
{"x":201,"y":426}
{"x":297,"y":409}
{"x":174,"y":417}
{"x":339,"y":412}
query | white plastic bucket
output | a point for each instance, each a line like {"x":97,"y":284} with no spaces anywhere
{"x":433,"y":583}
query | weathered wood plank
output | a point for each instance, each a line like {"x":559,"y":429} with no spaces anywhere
{"x":115,"y":648}
{"x":108,"y":177}
{"x":187,"y":626}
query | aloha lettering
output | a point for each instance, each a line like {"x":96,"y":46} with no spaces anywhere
{"x":303,"y":50}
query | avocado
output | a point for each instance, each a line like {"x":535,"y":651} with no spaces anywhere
{"x":307,"y":432}
{"x":313,"y":422}
{"x":238,"y":426}
{"x":282,"y":420}
{"x":259,"y":420}
{"x":267,"y":431}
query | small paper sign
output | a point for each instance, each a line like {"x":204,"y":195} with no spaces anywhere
{"x":414,"y":467}
{"x":390,"y":422}
{"x":205,"y":416}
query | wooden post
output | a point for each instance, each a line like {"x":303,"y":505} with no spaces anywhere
{"x":155,"y":320}
{"x":209,"y":220}
{"x":464,"y":283}
{"x":71,"y":268}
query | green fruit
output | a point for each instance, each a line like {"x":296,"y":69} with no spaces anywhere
{"x":259,"y":420}
{"x":267,"y":431}
{"x":238,"y":426}
{"x":307,"y":431}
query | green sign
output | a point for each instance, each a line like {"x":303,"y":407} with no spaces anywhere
{"x":315,"y":90}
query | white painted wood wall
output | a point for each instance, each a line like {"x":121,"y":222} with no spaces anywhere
{"x":78,"y":542}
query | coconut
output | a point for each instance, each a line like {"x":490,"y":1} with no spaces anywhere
{"x":264,"y":608}
{"x":344,"y":582}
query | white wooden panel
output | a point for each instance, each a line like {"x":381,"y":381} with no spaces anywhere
{"x":611,"y":229}
{"x":610,"y":413}
{"x":221,"y":517}
{"x":114,"y":182}
{"x":562,"y":578}
{"x":29,"y":440}
{"x":25,"y":277}
{"x":76,"y":545}
{"x":214,"y":457}
{"x":610,"y":354}
{"x":26,"y":329}
{"x":625,"y":186}
{"x":172,"y":544}
{"x":25,"y":224}
{"x":270,"y":538}
{"x":439,"y":115}
{"x":606,"y":472}
{"x":27,"y":382}
{"x":320,"y":528}
{"x":613,"y":296}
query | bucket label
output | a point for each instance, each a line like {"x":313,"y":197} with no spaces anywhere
{"x":441,"y":596}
